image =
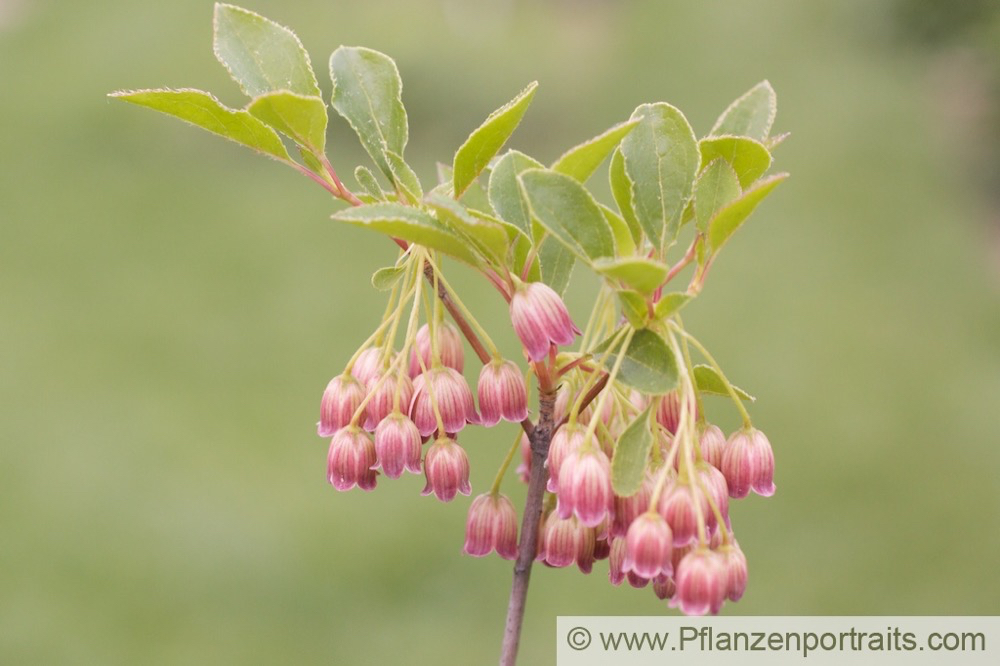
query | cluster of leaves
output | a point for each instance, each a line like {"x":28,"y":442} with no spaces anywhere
{"x":507,"y":213}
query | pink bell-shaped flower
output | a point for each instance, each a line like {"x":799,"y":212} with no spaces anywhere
{"x":453,"y":398}
{"x":648,"y":546}
{"x":446,"y":468}
{"x":451,"y":348}
{"x":748,"y":463}
{"x":397,"y":445}
{"x":540,"y":319}
{"x":491,"y":525}
{"x":702,"y":583}
{"x":502,"y":393}
{"x":350,"y":459}
{"x":342,"y":397}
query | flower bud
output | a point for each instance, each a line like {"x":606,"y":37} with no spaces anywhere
{"x":702,"y":583}
{"x":350,"y":459}
{"x":567,"y":440}
{"x":368,"y":365}
{"x":491,"y":525}
{"x":451,"y":348}
{"x":540,"y":319}
{"x":342,"y":397}
{"x":502,"y":393}
{"x":446,"y":468}
{"x":712,"y":443}
{"x":453,"y":398}
{"x":748,"y":463}
{"x":585,"y":487}
{"x":383,"y":399}
{"x":735,"y":564}
{"x":397,"y":445}
{"x":648,"y":546}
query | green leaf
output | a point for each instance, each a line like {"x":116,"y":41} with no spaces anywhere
{"x":409,"y":224}
{"x":582,"y":161}
{"x":634,"y":307}
{"x":716,"y":187}
{"x":367,"y":92}
{"x":555,"y":263}
{"x":670,"y":304}
{"x":748,"y":158}
{"x":628,"y":466}
{"x":366,"y":179}
{"x":568,"y":212}
{"x":505,"y":193}
{"x":202,"y":110}
{"x":661,"y":159}
{"x":709,"y":381}
{"x":477,"y":151}
{"x":621,"y":190}
{"x":729,"y":219}
{"x":751,"y":114}
{"x":300,"y":118}
{"x":384,"y":278}
{"x":406,"y":181}
{"x":649,"y":366}
{"x":620,"y":230}
{"x":261,"y":55}
{"x":643,"y":275}
{"x":489,"y":239}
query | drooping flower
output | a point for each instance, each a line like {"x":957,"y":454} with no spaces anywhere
{"x":446,"y":468}
{"x":397,"y":445}
{"x":585,"y":487}
{"x":735,"y":564}
{"x":452,"y":395}
{"x":540,"y":319}
{"x":369,"y":364}
{"x":748,"y":463}
{"x":567,"y":440}
{"x":712,"y":443}
{"x":451,"y":348}
{"x":649,"y":546}
{"x":383,"y":398}
{"x":342,"y":397}
{"x":502,"y":393}
{"x":702,"y":583}
{"x":491,"y":525}
{"x":350,"y":459}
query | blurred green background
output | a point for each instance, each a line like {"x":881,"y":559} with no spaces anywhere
{"x":172,"y":306}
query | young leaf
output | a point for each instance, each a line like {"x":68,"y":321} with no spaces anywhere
{"x":555,"y":263}
{"x":661,"y":159}
{"x":582,"y":161}
{"x":729,"y":219}
{"x":620,"y":230}
{"x":384,"y":278}
{"x":477,"y":151}
{"x":202,"y":110}
{"x":749,"y":158}
{"x":404,"y":178}
{"x":300,"y":118}
{"x":634,"y":307}
{"x":568,"y":212}
{"x":643,"y":275}
{"x":621,"y":190}
{"x":505,"y":193}
{"x":631,"y":455}
{"x":709,"y":381}
{"x":367,"y":92}
{"x":716,"y":187}
{"x":488,"y":238}
{"x":648,"y":366}
{"x":366,"y":179}
{"x":670,"y":303}
{"x":411,"y":225}
{"x":261,"y":55}
{"x":751,"y":114}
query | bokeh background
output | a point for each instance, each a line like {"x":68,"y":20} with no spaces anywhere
{"x":171,"y":307}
